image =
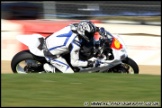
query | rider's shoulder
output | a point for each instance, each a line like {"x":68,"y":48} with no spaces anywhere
{"x":73,"y":27}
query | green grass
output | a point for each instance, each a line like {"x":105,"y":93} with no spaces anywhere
{"x":75,"y":89}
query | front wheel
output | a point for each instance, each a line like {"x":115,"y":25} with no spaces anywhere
{"x":128,"y":66}
{"x":131,"y":66}
{"x":26,"y":62}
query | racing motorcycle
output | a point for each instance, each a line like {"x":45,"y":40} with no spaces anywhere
{"x":113,"y":57}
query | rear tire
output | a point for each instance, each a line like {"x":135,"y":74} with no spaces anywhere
{"x":24,"y":55}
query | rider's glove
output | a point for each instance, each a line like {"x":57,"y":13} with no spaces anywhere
{"x":91,"y":63}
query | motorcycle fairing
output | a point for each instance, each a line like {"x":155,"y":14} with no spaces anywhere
{"x":32,"y":41}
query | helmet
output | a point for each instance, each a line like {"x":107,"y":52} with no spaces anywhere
{"x":86,"y":29}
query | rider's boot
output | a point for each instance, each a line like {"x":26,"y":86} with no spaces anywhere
{"x":49,"y":68}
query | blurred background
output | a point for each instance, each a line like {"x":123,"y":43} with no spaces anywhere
{"x":144,"y":12}
{"x":138,"y":22}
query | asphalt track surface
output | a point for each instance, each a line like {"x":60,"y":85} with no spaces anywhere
{"x":144,"y":69}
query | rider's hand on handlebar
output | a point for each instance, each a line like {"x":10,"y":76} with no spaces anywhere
{"x":93,"y":63}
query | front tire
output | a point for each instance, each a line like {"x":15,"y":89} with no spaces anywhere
{"x":132,"y":65}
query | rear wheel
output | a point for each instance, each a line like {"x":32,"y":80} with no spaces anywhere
{"x":26,"y":62}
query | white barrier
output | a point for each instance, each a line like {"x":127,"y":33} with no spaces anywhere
{"x":126,"y":28}
{"x":145,"y":50}
{"x":10,"y":46}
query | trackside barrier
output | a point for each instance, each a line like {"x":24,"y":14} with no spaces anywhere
{"x":43,"y":27}
{"x":132,"y":29}
{"x":11,"y":28}
{"x":145,"y":50}
{"x":10,"y":46}
{"x":141,"y":52}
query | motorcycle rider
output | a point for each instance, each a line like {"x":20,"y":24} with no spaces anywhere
{"x":69,"y":39}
